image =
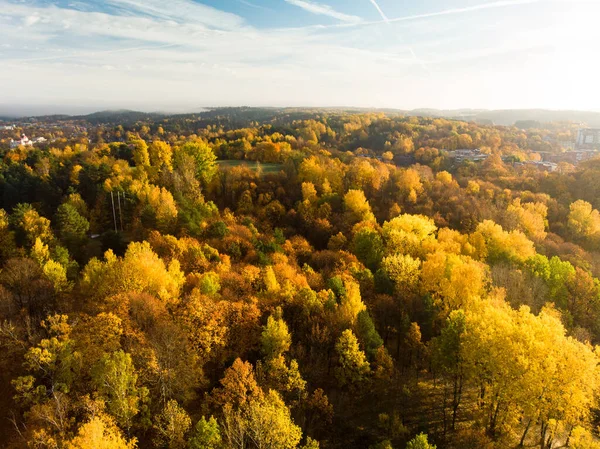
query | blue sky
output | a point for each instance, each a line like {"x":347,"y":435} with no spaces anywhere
{"x":179,"y":55}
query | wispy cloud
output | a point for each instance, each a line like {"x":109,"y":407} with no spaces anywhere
{"x":88,"y":54}
{"x":253,"y":5}
{"x":181,"y":11}
{"x":324,"y":10}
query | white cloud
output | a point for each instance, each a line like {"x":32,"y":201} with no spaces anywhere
{"x":325,"y":10}
{"x":31,"y":20}
{"x":158,"y":59}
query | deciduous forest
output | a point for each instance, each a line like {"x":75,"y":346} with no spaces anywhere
{"x":256,"y":279}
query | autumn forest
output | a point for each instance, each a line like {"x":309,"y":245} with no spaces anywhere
{"x":280,"y":279}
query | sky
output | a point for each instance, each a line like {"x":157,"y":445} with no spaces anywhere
{"x":181,"y":55}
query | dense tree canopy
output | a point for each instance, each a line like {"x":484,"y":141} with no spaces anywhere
{"x":248,"y":279}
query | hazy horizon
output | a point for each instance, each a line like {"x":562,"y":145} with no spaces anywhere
{"x":24,"y":111}
{"x":177,"y":56}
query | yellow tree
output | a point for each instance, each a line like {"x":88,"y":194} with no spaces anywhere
{"x":100,"y":433}
{"x":455,"y":281}
{"x":141,"y":271}
{"x":408,"y":234}
{"x":357,"y":207}
{"x":351,"y":303}
{"x":270,"y":425}
{"x":30,"y":225}
{"x":171,"y":426}
{"x":409,"y":185}
{"x":403,"y":270}
{"x":584,"y":221}
{"x":275,"y":337}
{"x":497,"y":245}
{"x":528,"y":371}
{"x":161,"y":203}
{"x":529,"y":218}
{"x":161,"y":155}
{"x":140,"y":153}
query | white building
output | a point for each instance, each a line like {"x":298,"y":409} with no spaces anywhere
{"x":23,"y":141}
{"x":462,"y":155}
{"x":588,"y":138}
{"x":7,"y":127}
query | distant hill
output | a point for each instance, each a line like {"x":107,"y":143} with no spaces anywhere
{"x":509,"y":117}
{"x":522,"y":117}
{"x":242,"y":115}
{"x":123,"y":116}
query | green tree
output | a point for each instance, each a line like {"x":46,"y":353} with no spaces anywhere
{"x":420,"y":442}
{"x":29,"y":225}
{"x":71,"y":227}
{"x":367,"y":334}
{"x":116,"y":380}
{"x":353,"y":367}
{"x":209,"y":283}
{"x":206,"y":435}
{"x":448,"y":360}
{"x":367,"y":245}
{"x":204,"y":158}
{"x":275,"y":338}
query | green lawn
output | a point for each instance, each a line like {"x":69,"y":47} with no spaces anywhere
{"x":266,"y":168}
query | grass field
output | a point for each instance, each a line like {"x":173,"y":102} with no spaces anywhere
{"x":266,"y":168}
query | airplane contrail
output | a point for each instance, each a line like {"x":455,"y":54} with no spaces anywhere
{"x":445,"y":12}
{"x":410,"y":49}
{"x":381,"y":13}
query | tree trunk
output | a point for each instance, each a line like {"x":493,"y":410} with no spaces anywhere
{"x":568,"y":442}
{"x":456,"y":400}
{"x":444,"y":412}
{"x":494,"y":419}
{"x":543,"y":429}
{"x":522,"y":443}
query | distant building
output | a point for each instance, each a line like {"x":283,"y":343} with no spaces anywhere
{"x":39,"y":140}
{"x":23,"y":141}
{"x":462,"y":155}
{"x":572,"y":157}
{"x":550,"y":167}
{"x":567,"y":144}
{"x":588,"y":139}
{"x":7,"y":127}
